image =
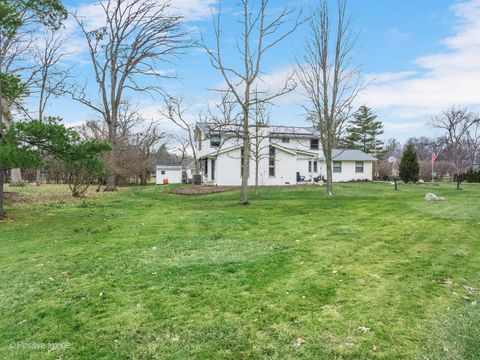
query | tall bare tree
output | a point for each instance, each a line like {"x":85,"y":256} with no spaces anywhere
{"x":176,"y":110}
{"x":125,"y":55}
{"x":260,"y":33}
{"x":328,"y":76}
{"x":260,"y":139}
{"x":455,"y":124}
{"x":50,"y":78}
{"x":472,"y":143}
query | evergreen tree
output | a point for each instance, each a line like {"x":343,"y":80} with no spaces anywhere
{"x":409,"y":167}
{"x":363,"y":132}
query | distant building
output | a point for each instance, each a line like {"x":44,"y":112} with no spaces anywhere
{"x":171,"y":174}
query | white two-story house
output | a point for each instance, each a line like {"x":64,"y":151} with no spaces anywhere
{"x":286,"y":155}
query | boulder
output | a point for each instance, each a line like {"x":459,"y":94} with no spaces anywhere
{"x":433,"y":197}
{"x":420,"y":181}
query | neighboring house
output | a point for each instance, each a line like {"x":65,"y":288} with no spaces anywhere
{"x":285,"y":154}
{"x":171,"y":174}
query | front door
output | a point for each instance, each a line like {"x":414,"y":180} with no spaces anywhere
{"x":213,"y":169}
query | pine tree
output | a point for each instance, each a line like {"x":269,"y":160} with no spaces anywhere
{"x":363,"y":132}
{"x":409,"y":167}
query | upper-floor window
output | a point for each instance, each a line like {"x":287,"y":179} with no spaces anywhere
{"x":337,"y":166}
{"x":271,"y":162}
{"x":313,"y":144}
{"x":359,"y":166}
{"x":285,"y":140}
{"x":215,"y":140}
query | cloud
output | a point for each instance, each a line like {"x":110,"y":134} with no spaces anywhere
{"x":440,"y":79}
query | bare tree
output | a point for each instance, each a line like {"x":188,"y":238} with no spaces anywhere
{"x":175,"y":110}
{"x":472,"y":143}
{"x":137,"y":36}
{"x":260,"y":139}
{"x":455,"y":123}
{"x":260,"y":33}
{"x":145,"y":142}
{"x":50,"y":77}
{"x":328,"y":77}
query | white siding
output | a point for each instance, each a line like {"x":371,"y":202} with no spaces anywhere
{"x":348,"y":172}
{"x":174,"y":176}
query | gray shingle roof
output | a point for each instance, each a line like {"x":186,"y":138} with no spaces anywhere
{"x":351,"y":155}
{"x":272,"y":130}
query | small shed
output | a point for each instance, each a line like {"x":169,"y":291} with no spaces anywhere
{"x":170,"y":174}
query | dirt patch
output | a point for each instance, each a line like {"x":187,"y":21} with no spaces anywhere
{"x":201,"y":190}
{"x":15,"y":197}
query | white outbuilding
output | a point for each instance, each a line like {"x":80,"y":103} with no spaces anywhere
{"x":169,"y":174}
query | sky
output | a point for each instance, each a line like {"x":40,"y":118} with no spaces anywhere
{"x":417,"y":58}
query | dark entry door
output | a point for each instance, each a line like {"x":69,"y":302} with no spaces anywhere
{"x":213,"y":169}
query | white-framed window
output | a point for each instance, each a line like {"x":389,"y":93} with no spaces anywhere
{"x":315,"y":166}
{"x":314,"y":144}
{"x":271,"y":162}
{"x":337,"y":166}
{"x":359,"y":166}
{"x":162,"y":172}
{"x":285,"y":140}
{"x":215,"y":140}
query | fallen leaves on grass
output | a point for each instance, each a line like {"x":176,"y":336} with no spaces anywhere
{"x":200,"y":190}
{"x":447,"y":281}
{"x":363,"y":329}
{"x":471,"y":290}
{"x":299,"y":342}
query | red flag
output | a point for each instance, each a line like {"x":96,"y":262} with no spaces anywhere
{"x":434,"y":158}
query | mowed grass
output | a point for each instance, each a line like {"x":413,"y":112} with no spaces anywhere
{"x":144,"y":274}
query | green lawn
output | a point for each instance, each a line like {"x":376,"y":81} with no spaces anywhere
{"x":143,"y":274}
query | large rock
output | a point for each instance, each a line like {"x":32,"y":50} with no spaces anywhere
{"x":433,"y":197}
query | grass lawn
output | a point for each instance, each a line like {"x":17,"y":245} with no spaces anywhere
{"x":144,"y":274}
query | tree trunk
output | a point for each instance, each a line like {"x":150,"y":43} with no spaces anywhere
{"x":111,"y":176}
{"x":16,"y":177}
{"x":246,"y":169}
{"x":38,"y":177}
{"x":328,"y":162}
{"x":257,"y":160}
{"x":2,"y":212}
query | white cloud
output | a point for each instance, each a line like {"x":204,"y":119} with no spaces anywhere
{"x":441,"y":79}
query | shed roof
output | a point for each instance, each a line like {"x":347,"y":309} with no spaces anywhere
{"x":170,"y":167}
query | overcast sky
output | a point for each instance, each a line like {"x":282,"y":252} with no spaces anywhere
{"x":418,"y":57}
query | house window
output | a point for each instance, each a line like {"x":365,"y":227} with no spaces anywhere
{"x":215,"y":140}
{"x":315,"y":166}
{"x":162,"y":172}
{"x":271,"y":162}
{"x":313,"y":144}
{"x":285,"y":140}
{"x":337,"y":166}
{"x":359,"y":166}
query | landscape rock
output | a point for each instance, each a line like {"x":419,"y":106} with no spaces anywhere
{"x":420,"y":181}
{"x":433,"y":197}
